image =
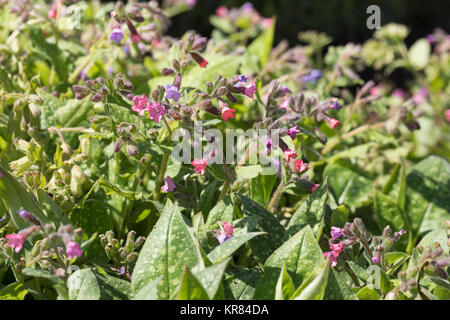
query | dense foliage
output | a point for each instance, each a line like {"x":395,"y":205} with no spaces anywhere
{"x":94,"y":204}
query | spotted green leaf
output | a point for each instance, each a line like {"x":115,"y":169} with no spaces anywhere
{"x":301,"y":254}
{"x":169,"y":247}
{"x":230,"y":246}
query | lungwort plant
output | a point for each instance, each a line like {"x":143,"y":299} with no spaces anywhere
{"x":135,"y":165}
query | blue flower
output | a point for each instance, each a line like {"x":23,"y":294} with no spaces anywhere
{"x":116,"y":35}
{"x":172,"y":92}
{"x":313,"y":76}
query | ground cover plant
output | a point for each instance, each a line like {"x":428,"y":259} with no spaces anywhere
{"x":116,"y":180}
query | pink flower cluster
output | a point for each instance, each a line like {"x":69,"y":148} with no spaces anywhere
{"x":142,"y":104}
{"x":225,"y":232}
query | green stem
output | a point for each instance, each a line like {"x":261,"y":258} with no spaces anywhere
{"x":275,"y":196}
{"x":351,"y":274}
{"x":162,"y":171}
{"x":77,"y":71}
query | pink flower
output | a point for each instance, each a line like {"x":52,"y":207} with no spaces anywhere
{"x":250,"y":90}
{"x":375,"y":91}
{"x":169,"y":185}
{"x":199,"y":165}
{"x":289,"y":154}
{"x":375,"y":259}
{"x":419,"y":97}
{"x":221,"y":11}
{"x":267,"y":23}
{"x":225,"y":233}
{"x":292,"y":132}
{"x":332,"y":255}
{"x":336,"y":248}
{"x":335,"y":233}
{"x":140,"y":104}
{"x":284,"y":104}
{"x":228,"y":228}
{"x":447,"y":116}
{"x":16,"y":241}
{"x":227,"y":113}
{"x":73,"y":249}
{"x":314,"y":187}
{"x":300,"y":166}
{"x":191,"y":2}
{"x":53,"y":12}
{"x":333,"y":122}
{"x":156,"y":111}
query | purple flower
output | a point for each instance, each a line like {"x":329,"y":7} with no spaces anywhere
{"x":335,"y":233}
{"x":126,"y":49}
{"x":292,"y":132}
{"x":399,"y":93}
{"x":122,"y":270}
{"x":73,"y":249}
{"x":1,"y":174}
{"x":116,"y":35}
{"x":335,"y":105}
{"x":242,"y":78}
{"x":431,"y":38}
{"x":169,"y":185}
{"x":23,"y":213}
{"x":172,"y":92}
{"x":313,"y":76}
{"x":225,"y":232}
{"x":375,"y":259}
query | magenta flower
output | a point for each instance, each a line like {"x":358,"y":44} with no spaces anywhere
{"x":199,"y":165}
{"x":431,"y":38}
{"x":225,"y":232}
{"x":419,"y":97}
{"x":268,"y":146}
{"x":292,"y":132}
{"x":289,"y":154}
{"x":116,"y":35}
{"x":1,"y":174}
{"x":447,"y":117}
{"x":191,"y":2}
{"x":16,"y":241}
{"x":300,"y":166}
{"x":169,"y":185}
{"x":399,"y":93}
{"x":314,"y":187}
{"x":250,"y":90}
{"x":227,"y":113}
{"x":335,"y":233}
{"x":140,"y":104}
{"x":333,"y":257}
{"x":172,"y":92}
{"x":156,"y":111}
{"x":73,"y":249}
{"x":336,"y":248}
{"x":375,"y":259}
{"x":375,"y":91}
{"x":267,"y":23}
{"x":333,"y":122}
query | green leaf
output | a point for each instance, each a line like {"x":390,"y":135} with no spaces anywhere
{"x":113,"y":288}
{"x":419,"y":54}
{"x":13,"y":291}
{"x":83,"y":285}
{"x":261,"y":188}
{"x":368,"y":293}
{"x":311,"y":212}
{"x":258,"y":51}
{"x":313,"y":288}
{"x":169,"y":247}
{"x":6,"y":81}
{"x":149,"y":291}
{"x":211,"y":278}
{"x":248,"y":172}
{"x":428,"y":187}
{"x":223,"y":212}
{"x":265,"y":245}
{"x":338,"y":288}
{"x":191,"y":288}
{"x":240,"y":284}
{"x":14,"y":196}
{"x":339,"y":216}
{"x":387,"y":212}
{"x":51,"y":209}
{"x":349,"y":184}
{"x":285,"y":287}
{"x":230,"y":246}
{"x":73,"y":112}
{"x":51,"y":52}
{"x":301,"y":254}
{"x":394,"y":260}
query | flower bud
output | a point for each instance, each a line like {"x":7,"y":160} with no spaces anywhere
{"x":199,"y":44}
{"x":139,"y":242}
{"x":386,"y":232}
{"x":118,"y":145}
{"x":96,"y":97}
{"x":167,"y":71}
{"x":132,"y":149}
{"x":80,"y":91}
{"x":176,"y":65}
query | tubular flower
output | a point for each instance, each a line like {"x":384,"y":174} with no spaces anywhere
{"x":225,"y":232}
{"x":335,"y":233}
{"x":333,"y":257}
{"x":333,"y":122}
{"x":300,"y":166}
{"x":169,"y":185}
{"x":292,"y":132}
{"x":289,"y":154}
{"x":156,"y":111}
{"x":16,"y":241}
{"x":250,"y":90}
{"x":172,"y":92}
{"x":116,"y":35}
{"x":314,"y":187}
{"x":73,"y":249}
{"x":140,"y":104}
{"x":200,"y":165}
{"x":227,"y":113}
{"x":199,"y":59}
